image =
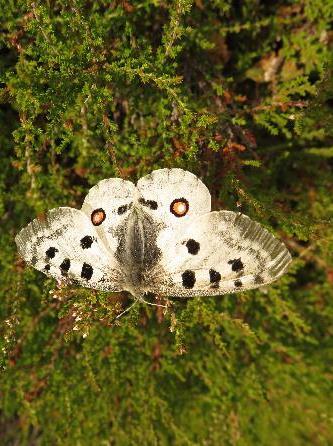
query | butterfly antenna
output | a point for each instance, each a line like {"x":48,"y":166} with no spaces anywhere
{"x":125,"y":311}
{"x":154,"y":305}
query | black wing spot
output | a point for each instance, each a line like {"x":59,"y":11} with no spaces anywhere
{"x":86,"y":242}
{"x":51,"y":252}
{"x":87,"y":271}
{"x":64,"y":267}
{"x":152,"y":204}
{"x":258,"y":279}
{"x":214,"y":276}
{"x":237,"y":264}
{"x":122,"y":209}
{"x":238,"y":283}
{"x":47,"y":267}
{"x":149,"y":203}
{"x":188,"y":278}
{"x":192,"y":246}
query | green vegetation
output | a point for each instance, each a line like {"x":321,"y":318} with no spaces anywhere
{"x":239,"y":92}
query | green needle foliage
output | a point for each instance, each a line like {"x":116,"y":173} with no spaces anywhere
{"x":240,"y":93}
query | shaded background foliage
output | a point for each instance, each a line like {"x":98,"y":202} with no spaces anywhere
{"x":241,"y":93}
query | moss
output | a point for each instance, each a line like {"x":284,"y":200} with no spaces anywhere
{"x":241,"y":94}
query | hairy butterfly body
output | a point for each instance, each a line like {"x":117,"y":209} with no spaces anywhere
{"x":159,"y":236}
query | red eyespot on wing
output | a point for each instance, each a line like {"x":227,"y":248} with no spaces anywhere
{"x":98,"y":216}
{"x":179,"y":207}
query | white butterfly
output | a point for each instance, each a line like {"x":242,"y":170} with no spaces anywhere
{"x":159,"y":236}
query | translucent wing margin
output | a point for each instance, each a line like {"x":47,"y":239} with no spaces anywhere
{"x":66,"y":246}
{"x":217,"y":253}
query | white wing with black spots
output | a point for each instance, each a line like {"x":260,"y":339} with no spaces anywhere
{"x":217,"y":253}
{"x":66,"y":246}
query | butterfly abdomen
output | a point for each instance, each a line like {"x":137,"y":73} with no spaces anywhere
{"x":137,"y":248}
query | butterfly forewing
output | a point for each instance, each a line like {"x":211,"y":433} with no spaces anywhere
{"x":217,"y":253}
{"x":66,"y":246}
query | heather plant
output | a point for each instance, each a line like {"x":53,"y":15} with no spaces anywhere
{"x":241,"y":94}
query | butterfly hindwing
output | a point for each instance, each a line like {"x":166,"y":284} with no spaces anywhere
{"x":66,"y":246}
{"x":217,"y":253}
{"x":173,"y":196}
{"x":107,"y":205}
